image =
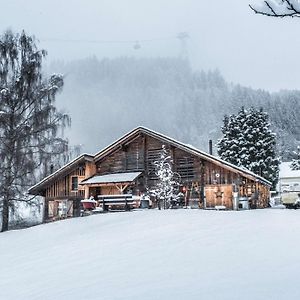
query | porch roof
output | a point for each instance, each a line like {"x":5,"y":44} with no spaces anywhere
{"x":111,"y":178}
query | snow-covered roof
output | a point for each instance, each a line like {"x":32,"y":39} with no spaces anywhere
{"x":112,"y":178}
{"x":70,"y":164}
{"x":285,"y":171}
{"x":186,"y":147}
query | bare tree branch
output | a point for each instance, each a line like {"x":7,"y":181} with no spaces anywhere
{"x":286,"y":8}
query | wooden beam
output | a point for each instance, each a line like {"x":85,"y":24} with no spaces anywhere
{"x":121,"y":187}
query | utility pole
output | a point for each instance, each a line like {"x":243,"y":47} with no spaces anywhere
{"x":183,"y":37}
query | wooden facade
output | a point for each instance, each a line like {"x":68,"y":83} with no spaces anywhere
{"x":62,"y":191}
{"x":207,"y":181}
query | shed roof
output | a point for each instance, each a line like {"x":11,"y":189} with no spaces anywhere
{"x":112,"y":178}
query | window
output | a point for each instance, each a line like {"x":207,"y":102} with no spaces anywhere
{"x":153,"y":156}
{"x":185,"y":167}
{"x":74,"y":183}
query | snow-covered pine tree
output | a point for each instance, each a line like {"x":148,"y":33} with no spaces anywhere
{"x":248,"y":142}
{"x":295,"y":165}
{"x":29,"y":120}
{"x":167,"y":188}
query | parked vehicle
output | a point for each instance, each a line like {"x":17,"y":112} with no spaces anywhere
{"x":291,"y":200}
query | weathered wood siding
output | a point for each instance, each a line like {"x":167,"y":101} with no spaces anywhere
{"x":198,"y":176}
{"x":219,"y":194}
{"x":205,"y":184}
{"x":126,"y":158}
{"x":62,"y":187}
{"x":60,"y":193}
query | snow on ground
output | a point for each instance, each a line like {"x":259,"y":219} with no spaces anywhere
{"x":173,"y":254}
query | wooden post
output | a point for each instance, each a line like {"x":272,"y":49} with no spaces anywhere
{"x":127,"y":208}
{"x":145,"y":161}
{"x":46,"y":210}
{"x":104,"y":206}
{"x":202,"y":191}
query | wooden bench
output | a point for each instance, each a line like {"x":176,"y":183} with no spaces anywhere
{"x":220,"y":207}
{"x":125,"y":201}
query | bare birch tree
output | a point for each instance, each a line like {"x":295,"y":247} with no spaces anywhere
{"x":29,"y":120}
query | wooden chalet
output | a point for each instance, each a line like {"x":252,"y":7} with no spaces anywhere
{"x":127,"y":167}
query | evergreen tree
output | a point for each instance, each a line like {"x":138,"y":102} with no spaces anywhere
{"x":296,"y":161}
{"x":248,"y":142}
{"x":167,"y":187}
{"x":29,"y":120}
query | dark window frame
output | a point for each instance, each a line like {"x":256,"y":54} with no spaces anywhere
{"x":74,"y":183}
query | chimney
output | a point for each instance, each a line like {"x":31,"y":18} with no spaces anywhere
{"x":210,"y":147}
{"x":51,"y":168}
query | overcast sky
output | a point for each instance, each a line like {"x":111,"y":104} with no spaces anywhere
{"x":249,"y":49}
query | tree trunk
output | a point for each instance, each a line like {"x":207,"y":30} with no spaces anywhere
{"x":5,"y":215}
{"x":165,"y":201}
{"x":46,"y":211}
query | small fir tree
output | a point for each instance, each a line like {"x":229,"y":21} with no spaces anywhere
{"x":296,"y":161}
{"x":248,"y":142}
{"x":167,"y":187}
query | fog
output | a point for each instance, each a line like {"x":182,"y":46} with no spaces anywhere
{"x":251,"y":50}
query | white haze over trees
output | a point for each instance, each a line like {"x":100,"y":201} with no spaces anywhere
{"x":109,"y":97}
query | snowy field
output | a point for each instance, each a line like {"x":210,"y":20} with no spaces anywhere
{"x":173,"y":254}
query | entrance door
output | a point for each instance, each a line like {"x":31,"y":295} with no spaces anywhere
{"x":218,"y":195}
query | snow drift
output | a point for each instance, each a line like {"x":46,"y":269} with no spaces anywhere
{"x":172,"y":254}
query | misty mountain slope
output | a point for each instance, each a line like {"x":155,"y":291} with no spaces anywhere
{"x":109,"y":97}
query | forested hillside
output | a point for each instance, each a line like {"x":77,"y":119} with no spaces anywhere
{"x":109,"y":97}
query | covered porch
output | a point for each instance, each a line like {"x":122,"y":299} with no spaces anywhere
{"x":113,"y":190}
